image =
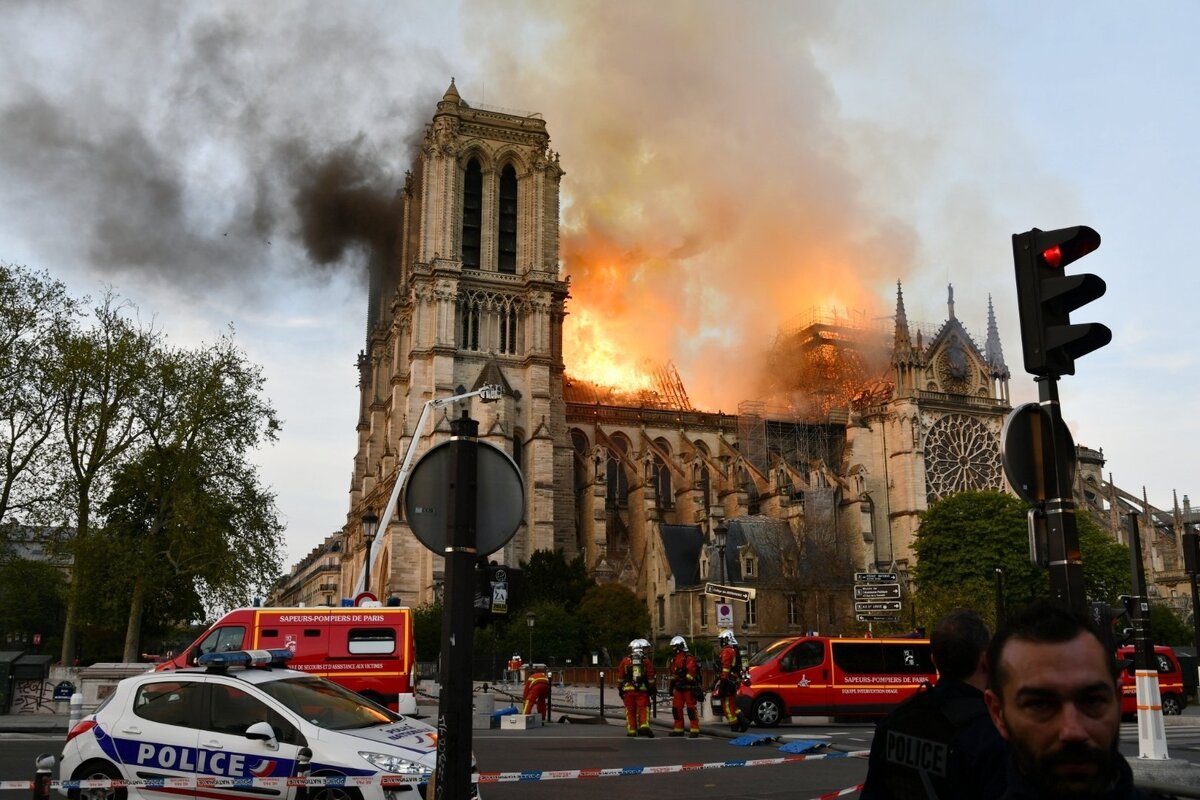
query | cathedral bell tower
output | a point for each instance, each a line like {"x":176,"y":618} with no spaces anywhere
{"x":473,"y":295}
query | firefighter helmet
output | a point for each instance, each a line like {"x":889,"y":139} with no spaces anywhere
{"x":726,"y":637}
{"x":679,"y":643}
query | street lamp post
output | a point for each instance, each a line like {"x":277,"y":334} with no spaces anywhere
{"x":370,"y":524}
{"x":720,"y":533}
{"x":530,"y":617}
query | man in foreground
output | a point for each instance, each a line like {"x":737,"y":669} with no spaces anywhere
{"x":1053,"y":694}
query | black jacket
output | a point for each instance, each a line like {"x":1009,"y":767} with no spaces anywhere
{"x":977,"y":763}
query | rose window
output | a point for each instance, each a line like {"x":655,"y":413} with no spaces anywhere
{"x":961,"y":454}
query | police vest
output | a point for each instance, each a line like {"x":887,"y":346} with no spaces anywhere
{"x":920,"y":744}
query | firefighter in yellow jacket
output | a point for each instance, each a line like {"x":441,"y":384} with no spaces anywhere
{"x":636,"y":683}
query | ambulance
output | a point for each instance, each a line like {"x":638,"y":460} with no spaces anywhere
{"x":823,"y":676}
{"x":368,"y":650}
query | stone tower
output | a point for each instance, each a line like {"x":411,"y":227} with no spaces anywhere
{"x":472,"y":296}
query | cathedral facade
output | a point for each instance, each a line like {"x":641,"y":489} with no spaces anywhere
{"x":789,"y":498}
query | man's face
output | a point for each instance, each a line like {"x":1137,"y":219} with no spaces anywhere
{"x":1060,"y":712}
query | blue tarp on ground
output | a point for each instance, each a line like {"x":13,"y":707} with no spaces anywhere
{"x":753,"y":739}
{"x":802,"y":746}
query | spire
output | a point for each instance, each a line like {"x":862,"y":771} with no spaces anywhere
{"x":994,"y":353}
{"x":451,"y":94}
{"x":903,"y":338}
{"x":950,"y":301}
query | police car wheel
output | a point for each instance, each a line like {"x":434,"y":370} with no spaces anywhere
{"x":334,"y":792}
{"x":97,"y":770}
{"x":767,"y":711}
{"x":1171,"y":706}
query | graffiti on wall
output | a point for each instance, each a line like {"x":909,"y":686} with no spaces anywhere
{"x":32,"y":697}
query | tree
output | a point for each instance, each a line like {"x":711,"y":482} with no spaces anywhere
{"x":966,"y":537}
{"x":34,"y":309}
{"x":554,"y":637}
{"x":1168,"y":628}
{"x":199,"y":512}
{"x":32,"y":595}
{"x":611,"y":616}
{"x":549,"y":578}
{"x":427,"y":630}
{"x":99,"y":380}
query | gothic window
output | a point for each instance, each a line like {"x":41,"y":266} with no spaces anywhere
{"x":751,"y":492}
{"x":617,"y":488}
{"x":508,"y":220}
{"x":663,"y":492}
{"x":472,"y":221}
{"x":518,"y":450}
{"x":961,"y":454}
{"x":508,"y":330}
{"x":468,"y":317}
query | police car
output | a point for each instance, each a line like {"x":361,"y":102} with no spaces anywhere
{"x":235,"y":727}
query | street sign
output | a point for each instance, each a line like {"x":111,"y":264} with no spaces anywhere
{"x":875,"y":577}
{"x":724,"y":615}
{"x":877,"y":617}
{"x":499,"y":504}
{"x":878,"y":605}
{"x":717,"y":590}
{"x":877,"y":591}
{"x":1028,"y":443}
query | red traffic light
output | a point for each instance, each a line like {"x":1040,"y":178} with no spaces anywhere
{"x":1053,"y":256}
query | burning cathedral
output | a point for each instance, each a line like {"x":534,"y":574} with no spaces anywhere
{"x":791,"y":496}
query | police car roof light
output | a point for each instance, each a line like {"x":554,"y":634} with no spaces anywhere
{"x":246,"y":658}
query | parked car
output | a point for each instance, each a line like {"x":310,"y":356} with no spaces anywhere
{"x":1171,"y":693}
{"x":241,"y":715}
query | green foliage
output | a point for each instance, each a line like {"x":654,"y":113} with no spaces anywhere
{"x":427,"y":630}
{"x":966,"y":537}
{"x":32,"y":600}
{"x":549,"y":578}
{"x":555,"y":635}
{"x":611,"y":616}
{"x":1167,"y":628}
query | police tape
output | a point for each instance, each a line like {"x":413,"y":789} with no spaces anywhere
{"x":841,"y":793}
{"x":202,"y":782}
{"x":666,"y":769}
{"x":397,"y":780}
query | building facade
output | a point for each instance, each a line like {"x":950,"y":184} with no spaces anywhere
{"x":790,"y":497}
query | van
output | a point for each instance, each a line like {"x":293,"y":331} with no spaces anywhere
{"x":367,"y":650}
{"x":1170,"y":681}
{"x":821,"y":676}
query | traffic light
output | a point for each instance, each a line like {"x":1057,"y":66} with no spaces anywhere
{"x":1105,"y":617}
{"x":1046,"y":296}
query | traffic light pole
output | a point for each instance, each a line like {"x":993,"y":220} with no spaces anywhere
{"x":1152,"y":736}
{"x":1066,"y":564}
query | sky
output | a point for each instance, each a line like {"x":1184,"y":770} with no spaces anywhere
{"x":730,"y":167}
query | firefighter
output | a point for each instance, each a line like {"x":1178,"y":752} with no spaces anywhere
{"x":537,"y":690}
{"x":514,"y":668}
{"x":685,"y":685}
{"x":729,"y":681}
{"x":636,"y":679}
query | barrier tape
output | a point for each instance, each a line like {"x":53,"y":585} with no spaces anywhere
{"x":613,"y":772}
{"x":841,"y":793}
{"x":397,"y":780}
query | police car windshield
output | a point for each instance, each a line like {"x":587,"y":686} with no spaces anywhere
{"x":326,"y":704}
